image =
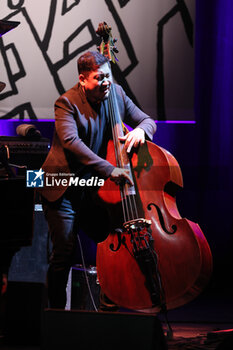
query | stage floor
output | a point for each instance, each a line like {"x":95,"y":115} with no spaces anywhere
{"x":205,"y":323}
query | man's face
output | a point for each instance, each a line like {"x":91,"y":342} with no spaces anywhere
{"x":97,"y":84}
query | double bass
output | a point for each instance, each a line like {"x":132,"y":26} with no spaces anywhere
{"x":152,"y":258}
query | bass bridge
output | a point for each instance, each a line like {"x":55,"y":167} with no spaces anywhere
{"x":137,"y":224}
{"x":138,"y":229}
{"x":141,"y":248}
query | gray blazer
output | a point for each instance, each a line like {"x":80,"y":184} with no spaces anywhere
{"x":80,"y":136}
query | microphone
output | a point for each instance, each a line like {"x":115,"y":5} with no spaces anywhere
{"x":28,"y":131}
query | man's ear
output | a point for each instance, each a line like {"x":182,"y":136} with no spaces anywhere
{"x":82,"y":79}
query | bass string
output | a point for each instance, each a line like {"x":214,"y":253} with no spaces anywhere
{"x":117,"y":153}
{"x":129,"y":198}
{"x":129,"y":207}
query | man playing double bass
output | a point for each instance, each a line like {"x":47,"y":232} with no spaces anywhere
{"x":82,"y":132}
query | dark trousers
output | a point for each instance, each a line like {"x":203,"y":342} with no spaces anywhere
{"x":64,"y":216}
{"x":61,"y":216}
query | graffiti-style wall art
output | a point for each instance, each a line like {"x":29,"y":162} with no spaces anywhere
{"x":38,"y":58}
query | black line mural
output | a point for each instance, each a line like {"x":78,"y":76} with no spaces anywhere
{"x":72,"y":46}
{"x":12,"y":77}
{"x":66,"y":7}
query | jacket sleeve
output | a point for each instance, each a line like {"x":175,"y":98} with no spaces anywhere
{"x":134,"y":116}
{"x":67,"y":131}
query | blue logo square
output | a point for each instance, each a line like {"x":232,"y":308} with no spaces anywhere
{"x":35,"y":178}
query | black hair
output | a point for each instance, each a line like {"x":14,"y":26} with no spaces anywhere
{"x":91,"y":61}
